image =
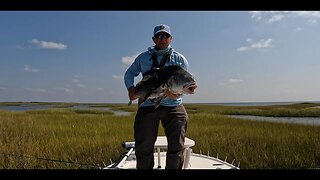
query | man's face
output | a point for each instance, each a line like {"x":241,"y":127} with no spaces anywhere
{"x":162,"y":40}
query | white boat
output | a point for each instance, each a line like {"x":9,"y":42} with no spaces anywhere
{"x":192,"y":160}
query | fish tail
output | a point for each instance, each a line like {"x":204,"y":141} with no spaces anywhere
{"x":129,"y":103}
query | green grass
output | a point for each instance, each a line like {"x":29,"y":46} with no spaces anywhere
{"x":94,"y":137}
{"x":61,"y":134}
{"x":257,"y":145}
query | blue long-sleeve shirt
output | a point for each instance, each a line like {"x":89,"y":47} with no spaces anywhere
{"x":143,"y":63}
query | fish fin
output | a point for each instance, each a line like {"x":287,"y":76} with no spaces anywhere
{"x":158,"y":101}
{"x":146,"y":96}
{"x":146,"y":78}
{"x":129,"y":103}
{"x":142,"y":100}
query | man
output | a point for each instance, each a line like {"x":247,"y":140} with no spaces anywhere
{"x":171,"y":111}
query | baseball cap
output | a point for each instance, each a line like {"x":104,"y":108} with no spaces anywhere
{"x":161,"y":28}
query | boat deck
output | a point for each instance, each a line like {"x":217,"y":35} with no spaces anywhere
{"x":197,"y":161}
{"x":192,"y":160}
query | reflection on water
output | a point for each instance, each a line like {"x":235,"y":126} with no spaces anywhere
{"x":27,"y":107}
{"x":117,"y":113}
{"x":299,"y":120}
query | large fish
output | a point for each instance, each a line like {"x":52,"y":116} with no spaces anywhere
{"x":169,"y":78}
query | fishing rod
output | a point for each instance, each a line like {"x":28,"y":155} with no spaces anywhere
{"x":52,"y":160}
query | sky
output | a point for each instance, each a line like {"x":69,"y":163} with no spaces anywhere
{"x":235,"y":56}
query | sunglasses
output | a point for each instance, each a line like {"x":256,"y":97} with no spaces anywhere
{"x":165,"y":36}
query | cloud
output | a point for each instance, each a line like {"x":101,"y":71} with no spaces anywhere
{"x":312,"y":21}
{"x":48,"y":45}
{"x":232,"y":82}
{"x":249,"y":40}
{"x":63,"y":89}
{"x":27,"y":68}
{"x":262,"y":43}
{"x":297,"y":29}
{"x":117,"y":77}
{"x":81,"y":85}
{"x":20,"y":47}
{"x":75,"y":80}
{"x":2,"y":88}
{"x":77,"y":83}
{"x":38,"y":90}
{"x":307,"y":14}
{"x":276,"y":16}
{"x":100,"y":89}
{"x":128,"y":60}
{"x":243,"y":48}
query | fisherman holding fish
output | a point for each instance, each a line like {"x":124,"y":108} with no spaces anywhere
{"x":170,"y":112}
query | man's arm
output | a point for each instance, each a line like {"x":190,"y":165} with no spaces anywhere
{"x":130,"y":74}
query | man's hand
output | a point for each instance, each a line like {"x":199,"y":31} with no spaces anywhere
{"x":131,"y":93}
{"x":173,"y":96}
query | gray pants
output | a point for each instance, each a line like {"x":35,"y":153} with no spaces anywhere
{"x":174,"y":121}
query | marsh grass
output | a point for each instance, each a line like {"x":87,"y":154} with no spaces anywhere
{"x":94,"y":137}
{"x":257,"y":145}
{"x":63,"y":135}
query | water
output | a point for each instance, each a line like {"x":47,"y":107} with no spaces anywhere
{"x":27,"y":107}
{"x":117,"y":113}
{"x":315,"y":121}
{"x":260,"y":103}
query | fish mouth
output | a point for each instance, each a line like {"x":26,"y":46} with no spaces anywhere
{"x":189,"y":89}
